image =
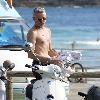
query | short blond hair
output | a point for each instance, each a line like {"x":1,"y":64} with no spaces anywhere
{"x":39,"y":10}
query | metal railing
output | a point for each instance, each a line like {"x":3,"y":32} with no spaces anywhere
{"x":9,"y":90}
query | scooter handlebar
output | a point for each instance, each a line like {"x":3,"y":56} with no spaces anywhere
{"x":82,"y":94}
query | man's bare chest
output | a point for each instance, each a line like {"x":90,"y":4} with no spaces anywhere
{"x":43,"y":37}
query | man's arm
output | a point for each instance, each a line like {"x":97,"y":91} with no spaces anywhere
{"x":31,"y":38}
{"x":52,"y":52}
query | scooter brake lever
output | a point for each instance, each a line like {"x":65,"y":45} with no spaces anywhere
{"x":29,"y":66}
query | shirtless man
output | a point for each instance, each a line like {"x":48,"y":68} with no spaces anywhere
{"x":40,"y":36}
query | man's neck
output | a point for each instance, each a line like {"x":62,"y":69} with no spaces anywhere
{"x":38,"y":27}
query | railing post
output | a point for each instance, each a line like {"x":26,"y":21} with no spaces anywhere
{"x":9,"y":89}
{"x":73,"y":45}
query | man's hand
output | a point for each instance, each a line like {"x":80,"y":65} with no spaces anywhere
{"x":55,"y":61}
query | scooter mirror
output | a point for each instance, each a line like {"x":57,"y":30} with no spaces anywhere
{"x":8,"y":65}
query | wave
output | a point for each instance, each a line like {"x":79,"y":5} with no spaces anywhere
{"x":88,"y":42}
{"x":82,"y":42}
{"x":77,"y":6}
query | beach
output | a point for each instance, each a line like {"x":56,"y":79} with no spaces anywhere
{"x":81,"y":87}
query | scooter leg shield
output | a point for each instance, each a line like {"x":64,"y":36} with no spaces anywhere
{"x":48,"y":89}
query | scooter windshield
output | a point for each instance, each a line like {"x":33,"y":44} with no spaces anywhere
{"x":12,"y":33}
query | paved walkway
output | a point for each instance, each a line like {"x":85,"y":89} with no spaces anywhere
{"x":82,"y":87}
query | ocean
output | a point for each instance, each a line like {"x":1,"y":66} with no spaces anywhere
{"x":73,"y":25}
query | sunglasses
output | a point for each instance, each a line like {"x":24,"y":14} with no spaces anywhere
{"x":40,"y":19}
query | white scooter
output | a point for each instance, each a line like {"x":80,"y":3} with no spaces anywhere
{"x":7,"y":65}
{"x":49,"y":83}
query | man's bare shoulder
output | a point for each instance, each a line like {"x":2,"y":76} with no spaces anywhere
{"x":32,"y":31}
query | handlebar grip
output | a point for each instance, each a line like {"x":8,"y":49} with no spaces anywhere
{"x":82,"y":94}
{"x":29,"y":66}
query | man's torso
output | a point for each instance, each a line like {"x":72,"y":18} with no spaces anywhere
{"x":42,"y":42}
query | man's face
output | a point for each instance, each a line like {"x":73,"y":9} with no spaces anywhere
{"x":39,"y":19}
